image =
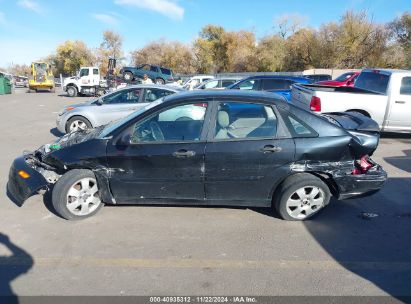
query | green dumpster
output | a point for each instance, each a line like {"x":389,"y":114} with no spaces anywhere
{"x":5,"y":86}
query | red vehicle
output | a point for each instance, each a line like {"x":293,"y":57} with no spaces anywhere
{"x":344,"y":80}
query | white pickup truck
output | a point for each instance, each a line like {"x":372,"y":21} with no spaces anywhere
{"x":383,"y":95}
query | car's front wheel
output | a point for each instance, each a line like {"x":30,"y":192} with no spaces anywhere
{"x":72,"y":91}
{"x":160,"y":81}
{"x":301,"y":196}
{"x":76,"y":195}
{"x":77,"y":123}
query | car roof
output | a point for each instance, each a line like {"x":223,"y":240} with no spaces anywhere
{"x":154,"y":86}
{"x":240,"y":94}
{"x":297,"y":78}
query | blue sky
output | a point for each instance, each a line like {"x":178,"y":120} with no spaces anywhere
{"x":30,"y":29}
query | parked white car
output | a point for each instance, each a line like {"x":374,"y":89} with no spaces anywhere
{"x":194,"y":81}
{"x":383,"y":95}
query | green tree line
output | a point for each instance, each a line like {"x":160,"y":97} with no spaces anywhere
{"x":354,"y":41}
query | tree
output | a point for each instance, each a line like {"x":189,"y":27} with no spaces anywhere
{"x":217,"y":50}
{"x":302,"y":50}
{"x":19,"y":69}
{"x":171,"y":54}
{"x":401,"y":30}
{"x":70,"y":56}
{"x":111,"y":47}
{"x":271,"y":54}
{"x":289,"y":24}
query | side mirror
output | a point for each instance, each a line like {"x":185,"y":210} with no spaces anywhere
{"x":124,"y":139}
{"x":99,"y":102}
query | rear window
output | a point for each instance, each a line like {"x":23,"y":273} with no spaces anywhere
{"x":372,"y":81}
{"x":406,"y":86}
{"x":165,"y":71}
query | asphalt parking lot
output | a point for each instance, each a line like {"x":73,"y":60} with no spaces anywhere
{"x":199,"y":251}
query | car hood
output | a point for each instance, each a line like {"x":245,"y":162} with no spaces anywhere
{"x":71,"y":139}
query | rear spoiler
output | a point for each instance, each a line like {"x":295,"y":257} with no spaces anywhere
{"x":353,"y":121}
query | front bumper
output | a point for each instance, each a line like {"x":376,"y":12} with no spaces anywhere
{"x":351,"y":186}
{"x":20,"y":189}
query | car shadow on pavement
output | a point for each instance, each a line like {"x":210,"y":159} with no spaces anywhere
{"x":56,"y":132}
{"x":11,"y":267}
{"x":371,"y":236}
{"x":401,"y":162}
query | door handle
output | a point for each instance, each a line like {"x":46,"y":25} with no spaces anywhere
{"x":271,"y":149}
{"x":184,"y":153}
{"x":400,"y":101}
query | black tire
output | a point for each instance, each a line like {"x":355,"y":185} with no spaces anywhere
{"x":78,"y":118}
{"x":61,"y":189}
{"x":72,"y":91}
{"x":160,"y":81}
{"x":128,"y":76}
{"x":288,"y":189}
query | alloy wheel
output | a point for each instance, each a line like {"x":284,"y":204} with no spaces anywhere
{"x":82,"y":197}
{"x":305,"y":201}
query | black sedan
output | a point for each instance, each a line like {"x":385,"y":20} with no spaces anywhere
{"x":230,"y":148}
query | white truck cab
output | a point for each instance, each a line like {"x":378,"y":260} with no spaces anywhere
{"x":87,"y":82}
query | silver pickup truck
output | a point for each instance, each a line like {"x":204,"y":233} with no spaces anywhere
{"x":383,"y":95}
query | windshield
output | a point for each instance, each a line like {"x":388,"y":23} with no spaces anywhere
{"x":110,"y":127}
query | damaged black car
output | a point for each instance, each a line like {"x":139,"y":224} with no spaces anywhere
{"x":228,"y":148}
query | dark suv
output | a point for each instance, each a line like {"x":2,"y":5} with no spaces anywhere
{"x":158,"y":74}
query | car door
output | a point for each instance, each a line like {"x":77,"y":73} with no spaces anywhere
{"x":118,"y":105}
{"x":245,"y":154}
{"x":162,"y":157}
{"x":400,"y":108}
{"x":153,"y":73}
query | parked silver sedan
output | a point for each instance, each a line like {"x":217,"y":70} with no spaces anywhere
{"x":109,"y":107}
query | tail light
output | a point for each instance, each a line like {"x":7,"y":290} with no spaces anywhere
{"x":315,"y":104}
{"x":363,"y":165}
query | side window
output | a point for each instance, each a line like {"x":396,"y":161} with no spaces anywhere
{"x":180,"y":123}
{"x":153,"y":69}
{"x":276,"y":84}
{"x":154,"y":94}
{"x":123,"y":96}
{"x":226,"y":83}
{"x":297,"y":127}
{"x":95,"y":71}
{"x":245,"y":121}
{"x":145,"y":67}
{"x":211,"y":84}
{"x":84,"y":72}
{"x":405,"y":86}
{"x":253,"y":84}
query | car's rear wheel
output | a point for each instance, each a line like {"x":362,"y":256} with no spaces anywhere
{"x":72,"y":91}
{"x":128,"y":76}
{"x":160,"y":81}
{"x":77,"y":123}
{"x":301,"y":196}
{"x":76,"y":195}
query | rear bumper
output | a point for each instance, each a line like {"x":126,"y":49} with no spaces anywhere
{"x":352,"y":186}
{"x":20,"y":189}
